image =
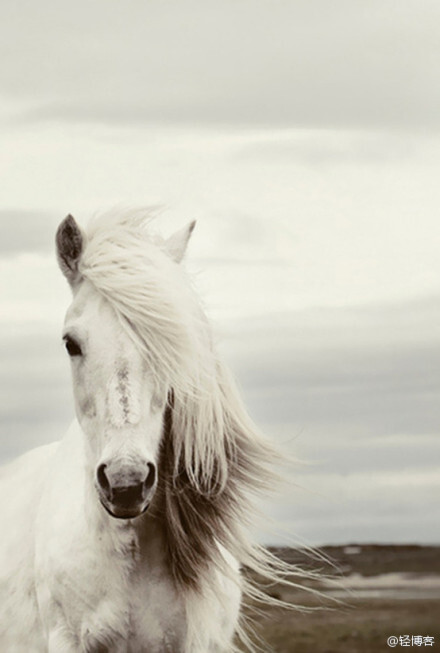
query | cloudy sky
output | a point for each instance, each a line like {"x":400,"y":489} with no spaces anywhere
{"x":304,"y":136}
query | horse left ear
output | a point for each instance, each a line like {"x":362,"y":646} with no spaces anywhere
{"x":70,"y":244}
{"x":176,"y":244}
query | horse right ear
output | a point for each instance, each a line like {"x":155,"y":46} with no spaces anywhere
{"x":70,"y":244}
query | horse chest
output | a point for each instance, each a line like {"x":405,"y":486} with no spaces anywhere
{"x":146,"y":619}
{"x":142,"y":614}
{"x":157,"y":616}
{"x":113,"y":602}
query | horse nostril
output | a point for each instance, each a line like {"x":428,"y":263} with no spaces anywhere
{"x":103,"y":480}
{"x":151,"y":477}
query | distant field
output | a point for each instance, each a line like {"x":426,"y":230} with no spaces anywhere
{"x":403,"y":600}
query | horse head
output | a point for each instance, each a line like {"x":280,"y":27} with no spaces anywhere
{"x":119,"y":398}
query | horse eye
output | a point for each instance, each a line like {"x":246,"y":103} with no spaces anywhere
{"x":73,"y":348}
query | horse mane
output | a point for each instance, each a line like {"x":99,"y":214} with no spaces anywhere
{"x":213,"y":460}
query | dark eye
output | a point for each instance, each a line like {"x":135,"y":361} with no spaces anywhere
{"x":73,"y":348}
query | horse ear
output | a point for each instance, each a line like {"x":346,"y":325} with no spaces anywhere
{"x":69,"y":243}
{"x":176,"y":244}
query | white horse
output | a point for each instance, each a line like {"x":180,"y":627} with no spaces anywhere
{"x":129,"y":534}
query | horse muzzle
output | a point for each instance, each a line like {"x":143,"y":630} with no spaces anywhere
{"x":126,"y":491}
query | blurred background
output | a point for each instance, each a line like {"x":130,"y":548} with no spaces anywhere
{"x":304,"y":138}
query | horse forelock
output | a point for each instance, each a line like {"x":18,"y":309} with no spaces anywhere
{"x":150,"y":293}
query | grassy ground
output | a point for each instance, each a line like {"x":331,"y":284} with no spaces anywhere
{"x":360,"y":625}
{"x":363,"y":628}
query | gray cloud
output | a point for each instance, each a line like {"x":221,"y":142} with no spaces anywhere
{"x":362,"y":391}
{"x":315,"y":63}
{"x":364,"y":517}
{"x":355,"y":373}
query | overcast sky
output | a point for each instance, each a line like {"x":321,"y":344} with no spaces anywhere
{"x":304,"y":138}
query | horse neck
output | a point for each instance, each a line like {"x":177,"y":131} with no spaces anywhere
{"x":151,"y":543}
